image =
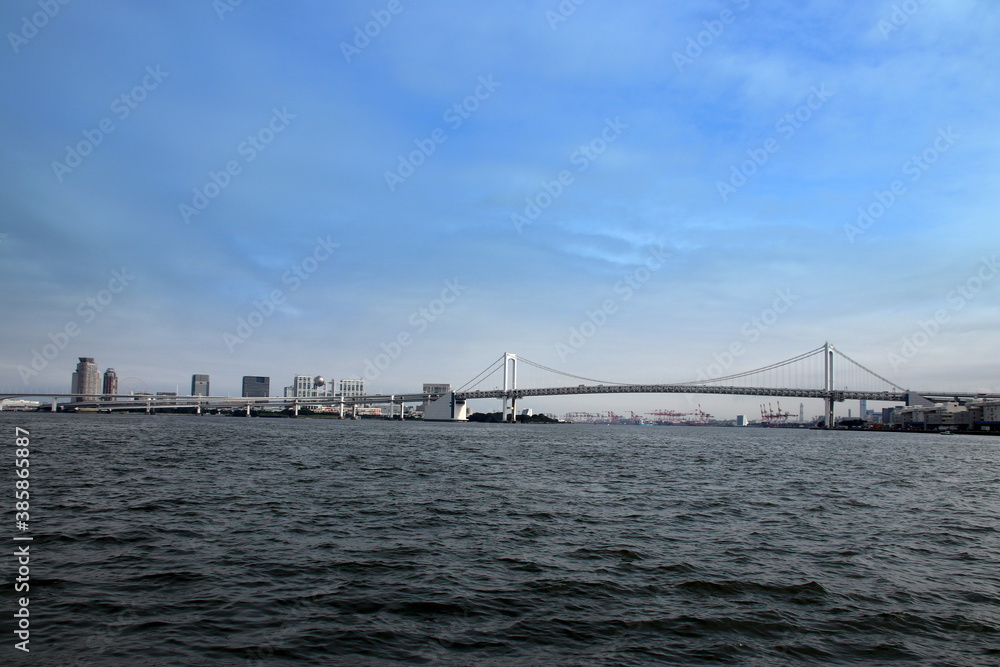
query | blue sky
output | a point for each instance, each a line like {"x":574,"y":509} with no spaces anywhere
{"x":280,"y":192}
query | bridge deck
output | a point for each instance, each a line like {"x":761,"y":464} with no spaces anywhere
{"x":682,"y":389}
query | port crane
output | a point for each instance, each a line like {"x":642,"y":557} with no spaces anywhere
{"x":769,"y":416}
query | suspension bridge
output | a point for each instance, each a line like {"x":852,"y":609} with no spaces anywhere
{"x":823,"y":373}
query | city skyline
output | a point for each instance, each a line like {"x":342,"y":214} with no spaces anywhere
{"x":644,"y":194}
{"x":308,"y":386}
{"x":855,"y":383}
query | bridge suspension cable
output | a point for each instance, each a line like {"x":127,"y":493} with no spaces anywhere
{"x":789,"y":374}
{"x":479,"y":379}
{"x":756,"y":371}
{"x":570,"y":375}
{"x":869,"y":371}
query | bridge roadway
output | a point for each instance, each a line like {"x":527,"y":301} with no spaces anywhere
{"x":838,"y":395}
{"x":844,"y":395}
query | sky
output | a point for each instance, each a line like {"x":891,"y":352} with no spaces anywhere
{"x":403,"y":191}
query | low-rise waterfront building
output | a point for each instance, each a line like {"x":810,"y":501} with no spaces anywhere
{"x":975,"y":415}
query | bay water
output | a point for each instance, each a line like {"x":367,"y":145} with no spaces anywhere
{"x":183,"y":540}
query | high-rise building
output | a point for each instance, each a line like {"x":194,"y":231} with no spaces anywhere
{"x":256,"y":387}
{"x":308,"y":386}
{"x":110,"y":384}
{"x":351,"y":388}
{"x":199,"y":385}
{"x":86,"y":380}
{"x":303,"y":386}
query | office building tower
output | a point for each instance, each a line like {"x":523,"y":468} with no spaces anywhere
{"x":308,"y":386}
{"x":351,"y":388}
{"x":110,"y":385}
{"x":86,"y":380}
{"x":303,"y":386}
{"x":256,"y":387}
{"x":199,"y":385}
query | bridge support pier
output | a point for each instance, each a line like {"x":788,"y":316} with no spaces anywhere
{"x":509,"y":384}
{"x":828,"y":382}
{"x":295,"y":409}
{"x":52,"y":408}
{"x":446,"y":409}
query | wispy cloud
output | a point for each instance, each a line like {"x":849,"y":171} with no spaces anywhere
{"x":652,"y":184}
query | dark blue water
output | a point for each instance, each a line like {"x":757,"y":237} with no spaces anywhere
{"x":164,"y":540}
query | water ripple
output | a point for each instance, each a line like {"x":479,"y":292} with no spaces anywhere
{"x":183,"y":540}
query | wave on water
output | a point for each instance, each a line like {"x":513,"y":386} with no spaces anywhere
{"x":184,"y":540}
